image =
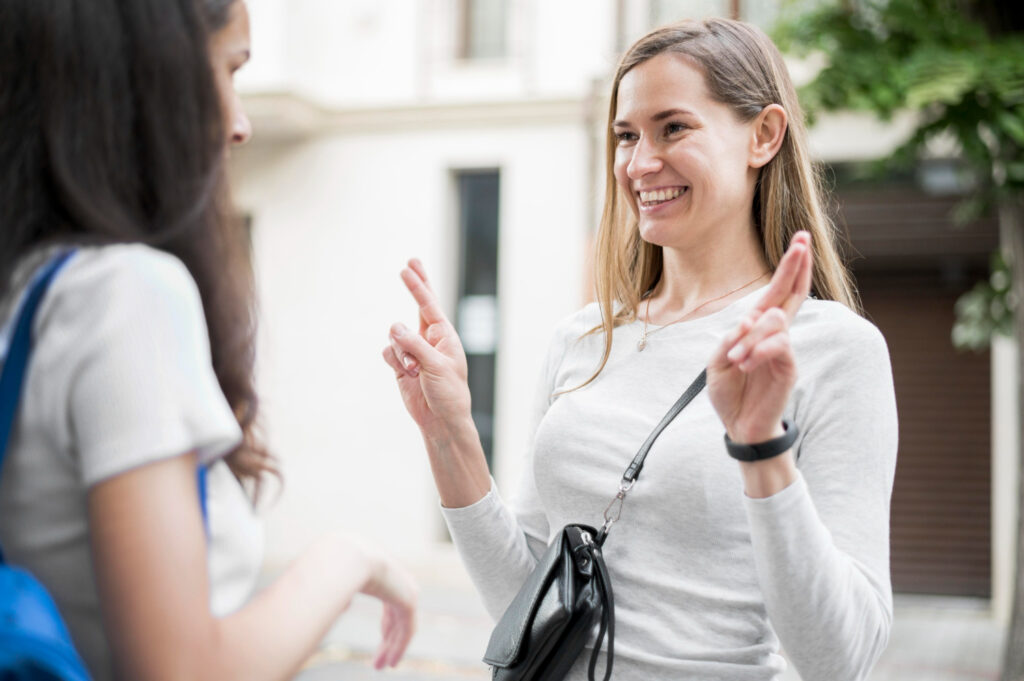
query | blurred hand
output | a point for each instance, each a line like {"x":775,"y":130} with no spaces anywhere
{"x":430,"y":366}
{"x":386,"y":580}
{"x":395,"y":588}
{"x":753,"y":371}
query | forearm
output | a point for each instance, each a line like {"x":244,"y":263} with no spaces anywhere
{"x":458,"y":463}
{"x":494,"y":549}
{"x":286,"y":621}
{"x":830,"y":611}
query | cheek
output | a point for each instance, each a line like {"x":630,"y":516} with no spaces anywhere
{"x":619,"y":169}
{"x":225,"y":93}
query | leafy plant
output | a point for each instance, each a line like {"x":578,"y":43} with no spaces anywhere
{"x":964,"y":81}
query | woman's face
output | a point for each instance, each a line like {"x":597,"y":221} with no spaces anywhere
{"x":682,"y":158}
{"x":229,"y":51}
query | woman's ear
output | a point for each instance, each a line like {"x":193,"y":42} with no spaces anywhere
{"x":769,"y":129}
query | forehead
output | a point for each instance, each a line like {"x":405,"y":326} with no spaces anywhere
{"x":663,"y":82}
{"x":235,"y":33}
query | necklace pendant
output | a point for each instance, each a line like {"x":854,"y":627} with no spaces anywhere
{"x":641,"y":344}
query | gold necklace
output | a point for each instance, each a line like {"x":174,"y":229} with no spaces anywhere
{"x":645,"y":334}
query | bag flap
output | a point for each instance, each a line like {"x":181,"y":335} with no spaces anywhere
{"x":543,"y":592}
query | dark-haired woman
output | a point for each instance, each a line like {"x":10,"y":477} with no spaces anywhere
{"x":114,"y":131}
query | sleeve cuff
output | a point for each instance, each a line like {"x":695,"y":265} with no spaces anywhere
{"x":781,"y":501}
{"x":482,"y":508}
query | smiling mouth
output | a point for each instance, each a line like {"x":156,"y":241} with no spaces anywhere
{"x":660,"y":196}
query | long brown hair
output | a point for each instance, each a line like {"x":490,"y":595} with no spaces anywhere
{"x":744,"y":70}
{"x":112,"y":133}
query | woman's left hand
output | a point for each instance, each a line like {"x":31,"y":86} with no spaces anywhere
{"x":753,"y":371}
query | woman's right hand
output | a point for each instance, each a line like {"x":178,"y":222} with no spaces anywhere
{"x":390,"y":583}
{"x":430,"y":366}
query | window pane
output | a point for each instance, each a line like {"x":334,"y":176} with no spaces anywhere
{"x":476,"y":317}
{"x":485,"y":25}
{"x":667,"y":11}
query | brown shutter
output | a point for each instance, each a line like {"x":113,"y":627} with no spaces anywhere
{"x":941,"y":515}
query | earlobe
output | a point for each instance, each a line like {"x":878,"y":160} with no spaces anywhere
{"x":769,"y":131}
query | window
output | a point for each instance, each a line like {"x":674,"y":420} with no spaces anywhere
{"x":667,"y":11}
{"x":760,"y":12}
{"x":476,"y":316}
{"x":483,"y":29}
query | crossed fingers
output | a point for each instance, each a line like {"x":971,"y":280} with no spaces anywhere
{"x":415,"y":279}
{"x":402,"y":360}
{"x":763,"y":333}
{"x":791,"y":283}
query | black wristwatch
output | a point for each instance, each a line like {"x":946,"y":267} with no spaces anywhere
{"x":764,"y":450}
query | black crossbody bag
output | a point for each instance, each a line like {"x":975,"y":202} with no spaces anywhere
{"x":546,"y":626}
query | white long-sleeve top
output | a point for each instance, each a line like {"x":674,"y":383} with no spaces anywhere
{"x":708,"y":581}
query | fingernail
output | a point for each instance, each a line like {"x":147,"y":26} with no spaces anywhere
{"x":398,"y":330}
{"x":735,"y":353}
{"x":407,"y":361}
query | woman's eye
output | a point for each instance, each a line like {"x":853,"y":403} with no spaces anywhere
{"x":624,"y":137}
{"x":675,"y":128}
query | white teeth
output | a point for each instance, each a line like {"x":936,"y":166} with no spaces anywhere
{"x":660,"y":195}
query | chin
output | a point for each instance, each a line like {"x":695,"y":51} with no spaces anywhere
{"x":659,"y":235}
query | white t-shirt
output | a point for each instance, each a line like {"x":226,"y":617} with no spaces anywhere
{"x":120,"y":376}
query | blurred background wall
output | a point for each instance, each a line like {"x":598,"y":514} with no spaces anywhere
{"x":470,"y":133}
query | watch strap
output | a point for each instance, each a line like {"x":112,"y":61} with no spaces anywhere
{"x":760,"y":451}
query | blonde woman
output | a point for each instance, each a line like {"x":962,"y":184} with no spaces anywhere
{"x":713,"y":252}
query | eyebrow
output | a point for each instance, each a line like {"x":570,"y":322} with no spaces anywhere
{"x":660,"y":116}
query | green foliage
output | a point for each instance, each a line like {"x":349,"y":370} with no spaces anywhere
{"x":987,"y":309}
{"x":885,"y":56}
{"x":930,"y":56}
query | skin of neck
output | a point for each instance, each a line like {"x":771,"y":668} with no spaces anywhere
{"x":699,"y":272}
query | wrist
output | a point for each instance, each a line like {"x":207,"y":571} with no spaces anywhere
{"x":762,"y":479}
{"x":458,"y":464}
{"x":447,"y":436}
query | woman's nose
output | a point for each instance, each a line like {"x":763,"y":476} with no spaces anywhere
{"x":241,"y":128}
{"x":646,"y":159}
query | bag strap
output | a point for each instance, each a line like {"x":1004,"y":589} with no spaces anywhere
{"x":13,"y":376}
{"x":18,"y":348}
{"x":633,"y":472}
{"x":629,"y":478}
{"x":604,"y":585}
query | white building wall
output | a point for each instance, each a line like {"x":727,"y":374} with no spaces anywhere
{"x":334,"y":220}
{"x":341,"y":192}
{"x":356,"y":53}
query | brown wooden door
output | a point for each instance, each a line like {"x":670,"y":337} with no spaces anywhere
{"x":941,"y":507}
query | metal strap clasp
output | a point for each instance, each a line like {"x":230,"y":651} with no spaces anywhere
{"x":613,"y":511}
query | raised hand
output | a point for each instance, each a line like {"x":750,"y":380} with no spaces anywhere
{"x":752,"y":372}
{"x":430,"y":366}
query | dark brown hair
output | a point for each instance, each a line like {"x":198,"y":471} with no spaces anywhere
{"x":112,"y":133}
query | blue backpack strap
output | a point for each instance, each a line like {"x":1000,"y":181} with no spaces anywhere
{"x":201,"y":484}
{"x":20,"y":345}
{"x":16,"y":362}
